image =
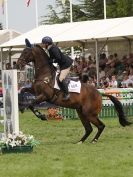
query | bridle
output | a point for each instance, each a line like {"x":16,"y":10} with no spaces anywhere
{"x":24,"y":61}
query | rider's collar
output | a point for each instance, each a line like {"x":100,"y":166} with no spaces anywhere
{"x":49,"y":46}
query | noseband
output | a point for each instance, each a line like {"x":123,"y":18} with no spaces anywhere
{"x":24,"y":61}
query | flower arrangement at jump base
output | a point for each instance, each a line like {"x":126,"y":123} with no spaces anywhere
{"x":17,"y":143}
{"x":54,"y":114}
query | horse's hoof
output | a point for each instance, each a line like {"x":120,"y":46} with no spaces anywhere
{"x":94,"y":141}
{"x":80,"y":142}
{"x":43,"y":117}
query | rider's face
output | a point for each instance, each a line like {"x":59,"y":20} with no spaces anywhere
{"x":45,"y":46}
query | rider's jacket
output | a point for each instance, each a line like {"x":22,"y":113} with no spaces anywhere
{"x":56,"y":56}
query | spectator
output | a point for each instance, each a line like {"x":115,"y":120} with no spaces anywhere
{"x":101,"y":73}
{"x":125,"y":81}
{"x":21,"y":79}
{"x":131,"y":72}
{"x":83,"y":62}
{"x":130,"y":59}
{"x":92,"y":81}
{"x":110,"y":70}
{"x":104,"y":83}
{"x":8,"y":66}
{"x":113,"y":83}
{"x":103,"y":60}
{"x":110,"y":59}
{"x":28,"y":84}
{"x":14,"y":65}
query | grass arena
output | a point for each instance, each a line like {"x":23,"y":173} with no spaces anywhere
{"x":58,"y":155}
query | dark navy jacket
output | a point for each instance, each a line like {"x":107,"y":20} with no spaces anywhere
{"x":57,"y":56}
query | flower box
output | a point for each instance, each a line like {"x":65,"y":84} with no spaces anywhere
{"x":17,"y":149}
{"x":17,"y":143}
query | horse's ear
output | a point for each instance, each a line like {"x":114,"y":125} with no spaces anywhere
{"x":28,"y":44}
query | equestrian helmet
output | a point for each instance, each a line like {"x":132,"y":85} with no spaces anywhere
{"x":47,"y":40}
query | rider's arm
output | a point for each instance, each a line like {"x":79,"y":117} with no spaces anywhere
{"x":56,"y":54}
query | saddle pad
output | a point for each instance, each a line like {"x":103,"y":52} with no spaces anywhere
{"x":73,"y":86}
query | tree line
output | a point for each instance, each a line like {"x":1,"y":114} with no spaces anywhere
{"x":87,"y":10}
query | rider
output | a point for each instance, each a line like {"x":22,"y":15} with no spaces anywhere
{"x":62,"y":60}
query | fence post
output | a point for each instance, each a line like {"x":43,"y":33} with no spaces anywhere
{"x":10,"y":102}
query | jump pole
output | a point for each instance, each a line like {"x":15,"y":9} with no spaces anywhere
{"x":10,"y":102}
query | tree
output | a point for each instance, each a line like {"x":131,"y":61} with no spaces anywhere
{"x":114,"y":8}
{"x":119,"y":8}
{"x":58,"y":14}
{"x":61,"y":13}
{"x":92,"y":8}
{"x":88,"y":10}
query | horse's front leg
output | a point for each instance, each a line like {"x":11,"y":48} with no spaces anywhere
{"x":28,"y":90}
{"x":39,"y":99}
{"x":21,"y":97}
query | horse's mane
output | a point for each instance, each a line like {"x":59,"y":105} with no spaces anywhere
{"x":44,"y":53}
{"x":52,"y":67}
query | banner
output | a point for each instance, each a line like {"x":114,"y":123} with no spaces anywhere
{"x":124,"y":95}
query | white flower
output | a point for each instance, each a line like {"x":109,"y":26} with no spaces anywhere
{"x":17,"y":140}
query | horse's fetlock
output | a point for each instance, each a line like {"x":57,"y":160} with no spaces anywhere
{"x":101,"y":127}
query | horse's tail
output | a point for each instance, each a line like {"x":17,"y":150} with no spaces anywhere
{"x":119,"y":109}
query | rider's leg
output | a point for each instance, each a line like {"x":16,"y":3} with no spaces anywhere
{"x":62,"y":83}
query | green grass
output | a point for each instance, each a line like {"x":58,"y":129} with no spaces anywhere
{"x":59,"y":156}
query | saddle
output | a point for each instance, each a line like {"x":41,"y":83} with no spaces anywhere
{"x":73,"y":78}
{"x":68,"y":78}
{"x":74,"y":84}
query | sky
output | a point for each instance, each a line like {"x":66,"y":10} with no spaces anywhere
{"x":22,"y":18}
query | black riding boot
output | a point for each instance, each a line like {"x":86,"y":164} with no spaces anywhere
{"x":63,"y":86}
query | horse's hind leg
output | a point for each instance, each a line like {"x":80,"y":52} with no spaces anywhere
{"x":95,"y":121}
{"x":86,"y":123}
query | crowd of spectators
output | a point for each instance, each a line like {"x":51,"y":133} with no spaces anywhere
{"x":114,"y":72}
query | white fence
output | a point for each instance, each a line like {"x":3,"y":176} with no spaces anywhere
{"x":10,"y":101}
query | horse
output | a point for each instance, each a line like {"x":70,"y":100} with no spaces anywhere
{"x":88,"y":103}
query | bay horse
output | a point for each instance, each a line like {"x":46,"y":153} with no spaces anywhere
{"x":88,"y":103}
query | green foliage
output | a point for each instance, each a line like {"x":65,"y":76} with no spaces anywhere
{"x":18,"y":140}
{"x":57,"y":14}
{"x":93,"y":9}
{"x":87,"y":10}
{"x":58,"y":155}
{"x":61,"y":13}
{"x":119,"y":8}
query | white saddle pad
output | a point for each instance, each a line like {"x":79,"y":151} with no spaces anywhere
{"x":72,"y":87}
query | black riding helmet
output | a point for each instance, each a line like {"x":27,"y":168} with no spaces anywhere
{"x":47,"y":40}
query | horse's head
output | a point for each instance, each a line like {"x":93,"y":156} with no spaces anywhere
{"x":26,"y":56}
{"x":32,"y":53}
